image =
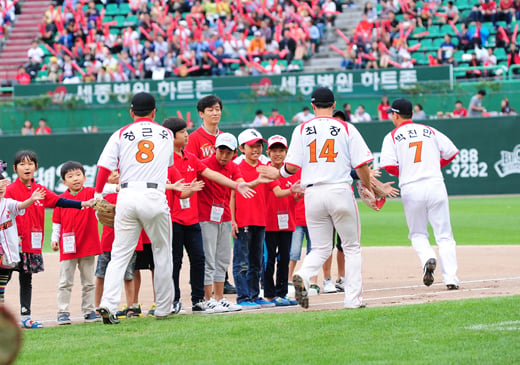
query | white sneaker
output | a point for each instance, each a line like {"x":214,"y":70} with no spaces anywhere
{"x":290,"y":290}
{"x":216,"y":306}
{"x":328,"y":286}
{"x":314,"y":289}
{"x":340,"y":284}
{"x":231,"y":307}
{"x":201,"y":308}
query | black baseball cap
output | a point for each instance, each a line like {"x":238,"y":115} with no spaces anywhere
{"x":143,"y":102}
{"x":401,"y":106}
{"x":322,"y":95}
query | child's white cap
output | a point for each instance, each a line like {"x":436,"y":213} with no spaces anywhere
{"x":277,"y":139}
{"x":250,"y":136}
{"x":228,"y":140}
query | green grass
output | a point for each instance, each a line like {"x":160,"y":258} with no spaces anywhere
{"x":475,"y":221}
{"x":476,"y":331}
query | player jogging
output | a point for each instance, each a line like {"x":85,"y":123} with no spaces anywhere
{"x":142,"y":151}
{"x":325,"y":149}
{"x":416,"y":153}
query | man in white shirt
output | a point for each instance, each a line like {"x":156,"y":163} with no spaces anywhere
{"x":303,"y":116}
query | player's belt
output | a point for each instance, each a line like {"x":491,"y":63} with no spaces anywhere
{"x":148,"y":185}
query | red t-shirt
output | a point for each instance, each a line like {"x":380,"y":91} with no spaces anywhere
{"x":278,"y":120}
{"x":214,"y":193}
{"x":34,"y":218}
{"x":278,"y":207}
{"x":186,"y":212}
{"x":384,"y":111}
{"x":490,"y":6}
{"x":461,"y":113}
{"x":251,"y":212}
{"x":80,"y":225}
{"x":300,"y":206}
{"x":201,"y":143}
{"x":23,"y":79}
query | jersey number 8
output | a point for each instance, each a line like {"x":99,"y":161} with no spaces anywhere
{"x":144,"y":151}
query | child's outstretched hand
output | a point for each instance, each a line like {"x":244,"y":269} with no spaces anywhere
{"x":55,"y":245}
{"x":38,"y":194}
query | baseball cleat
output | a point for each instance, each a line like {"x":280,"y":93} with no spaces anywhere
{"x":429,"y":268}
{"x":452,"y":287}
{"x":108,"y":317}
{"x":300,"y":291}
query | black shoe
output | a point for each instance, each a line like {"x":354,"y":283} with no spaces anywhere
{"x":108,"y":317}
{"x":429,"y":268}
{"x":452,"y":287}
{"x":228,"y":288}
{"x":177,"y":306}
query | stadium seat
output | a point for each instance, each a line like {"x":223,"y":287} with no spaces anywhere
{"x":447,"y":29}
{"x":500,"y":54}
{"x":112,"y":9}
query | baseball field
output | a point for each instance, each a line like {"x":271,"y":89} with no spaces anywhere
{"x":404,"y":322}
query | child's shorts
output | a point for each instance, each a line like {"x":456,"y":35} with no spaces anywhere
{"x":103,"y":261}
{"x":145,"y":258}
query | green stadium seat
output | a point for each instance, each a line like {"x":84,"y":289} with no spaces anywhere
{"x":463,"y":5}
{"x":491,"y":42}
{"x":112,"y":9}
{"x":120,"y":19}
{"x":500,"y":54}
{"x":124,"y":8}
{"x":458,"y":56}
{"x":435,"y":31}
{"x":447,"y":29}
{"x":131,"y":20}
{"x":437,"y":43}
{"x":426,"y":44}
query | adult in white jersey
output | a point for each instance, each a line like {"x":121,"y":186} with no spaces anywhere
{"x":325,"y":149}
{"x":142,"y":151}
{"x":416,"y":153}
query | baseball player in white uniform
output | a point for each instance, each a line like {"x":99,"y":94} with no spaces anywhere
{"x":416,"y":153}
{"x":326,"y":149}
{"x":142,"y":151}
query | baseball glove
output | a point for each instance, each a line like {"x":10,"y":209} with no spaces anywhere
{"x":373,"y":201}
{"x":105,"y":212}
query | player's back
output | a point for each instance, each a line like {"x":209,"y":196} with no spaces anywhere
{"x":143,"y":149}
{"x":326,"y":149}
{"x":419,"y":149}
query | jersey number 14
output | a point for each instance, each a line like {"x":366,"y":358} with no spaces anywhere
{"x":327,"y":151}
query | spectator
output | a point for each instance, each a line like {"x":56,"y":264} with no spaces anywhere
{"x":361,"y":115}
{"x":242,"y":70}
{"x":513,"y":57}
{"x":35,"y":53}
{"x":452,"y":13}
{"x":347,"y":109}
{"x":382,"y":108}
{"x":289,"y":44}
{"x":488,"y":9}
{"x":446,"y":50}
{"x":329,"y":10}
{"x":418,"y":112}
{"x":370,"y":12}
{"x":303,"y":116}
{"x":465,"y":38}
{"x":257,"y":45}
{"x":22,"y":77}
{"x":516,"y":9}
{"x":506,"y":109}
{"x":425,"y":16}
{"x":387,"y":7}
{"x":27,"y":129}
{"x":479,"y":35}
{"x":475,"y":108}
{"x":43,"y":127}
{"x":474,"y":62}
{"x":505,"y":11}
{"x":260,"y":119}
{"x":273,"y":68}
{"x":459,"y":111}
{"x":314,"y":35}
{"x":276,"y":118}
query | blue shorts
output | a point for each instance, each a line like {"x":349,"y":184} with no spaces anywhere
{"x":103,"y":261}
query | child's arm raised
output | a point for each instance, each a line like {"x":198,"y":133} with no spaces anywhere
{"x":38,"y":194}
{"x":242,"y":187}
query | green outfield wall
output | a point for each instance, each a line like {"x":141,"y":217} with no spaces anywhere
{"x":488,"y":162}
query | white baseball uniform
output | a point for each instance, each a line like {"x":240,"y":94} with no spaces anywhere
{"x":142,"y":151}
{"x":326,"y":149}
{"x":417,"y":151}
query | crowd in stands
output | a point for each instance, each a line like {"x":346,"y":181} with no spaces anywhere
{"x":408,"y":33}
{"x":117,"y":40}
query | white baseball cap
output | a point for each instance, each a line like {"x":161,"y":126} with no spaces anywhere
{"x":250,"y":136}
{"x":228,"y":140}
{"x":277,"y":139}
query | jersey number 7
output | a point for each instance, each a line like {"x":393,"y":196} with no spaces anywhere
{"x":144,"y":151}
{"x":418,"y":151}
{"x":327,"y":151}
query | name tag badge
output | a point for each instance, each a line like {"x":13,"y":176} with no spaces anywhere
{"x":185,"y":203}
{"x":283,"y":220}
{"x":36,"y":238}
{"x":69,"y":243}
{"x":216,"y":213}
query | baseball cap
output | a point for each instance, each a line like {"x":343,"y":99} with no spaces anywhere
{"x":142,"y":102}
{"x":277,"y":139}
{"x":227,"y":140}
{"x":401,"y":106}
{"x":322,"y":95}
{"x":250,"y":136}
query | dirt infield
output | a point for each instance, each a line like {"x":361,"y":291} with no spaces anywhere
{"x":391,"y":276}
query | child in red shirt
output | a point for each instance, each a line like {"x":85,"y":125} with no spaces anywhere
{"x":75,"y":234}
{"x":31,"y":226}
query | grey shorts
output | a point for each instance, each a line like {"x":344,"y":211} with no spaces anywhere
{"x":103,"y":261}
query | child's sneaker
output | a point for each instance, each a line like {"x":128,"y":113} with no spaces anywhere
{"x":340,"y":284}
{"x":63,"y":319}
{"x":122,"y":313}
{"x":201,"y":308}
{"x":151,"y":311}
{"x":291,"y":301}
{"x":134,"y":311}
{"x":314,"y":290}
{"x":328,"y":286}
{"x":92,"y":317}
{"x":230,"y":306}
{"x":217,"y":308}
{"x":27,"y":322}
{"x":247,"y":305}
{"x":280,"y":302}
{"x":264,"y":303}
{"x":290,"y":289}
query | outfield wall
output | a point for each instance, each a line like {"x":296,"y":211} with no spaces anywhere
{"x":488,"y":162}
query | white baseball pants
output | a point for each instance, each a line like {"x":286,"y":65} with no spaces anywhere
{"x":425,"y":202}
{"x":136,"y":209}
{"x":329,"y":206}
